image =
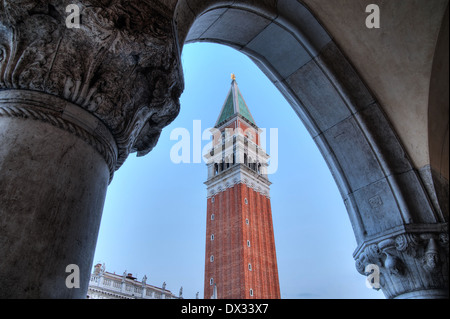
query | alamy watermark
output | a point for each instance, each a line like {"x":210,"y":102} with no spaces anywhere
{"x":372,"y":281}
{"x":73,"y":279}
{"x":373,"y":19}
{"x":73,"y":19}
{"x":373,"y":276}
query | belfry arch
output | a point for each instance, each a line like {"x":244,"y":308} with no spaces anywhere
{"x":75,"y":102}
{"x":388,"y":204}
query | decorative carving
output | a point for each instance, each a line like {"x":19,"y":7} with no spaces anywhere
{"x":122,"y":64}
{"x":443,"y":239}
{"x":407,"y":243}
{"x":375,"y":202}
{"x":237,"y":177}
{"x":404,"y":255}
{"x":373,"y":252}
{"x":394,"y":265}
{"x":431,"y":258}
{"x":360,"y":264}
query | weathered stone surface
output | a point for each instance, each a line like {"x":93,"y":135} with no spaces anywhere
{"x":320,"y":98}
{"x":225,"y":27}
{"x":438,"y":190}
{"x":344,"y":76}
{"x":53,"y":182}
{"x":273,"y":44}
{"x":416,"y":199}
{"x":203,"y":23}
{"x":303,"y":24}
{"x":129,"y":76}
{"x":377,"y":207}
{"x":391,"y":155}
{"x":361,"y":167}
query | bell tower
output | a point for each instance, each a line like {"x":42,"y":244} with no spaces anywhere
{"x":240,"y":257}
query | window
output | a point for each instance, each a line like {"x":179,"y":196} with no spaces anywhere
{"x":212,"y":237}
{"x":248,"y":243}
{"x":245,"y":200}
{"x":251,"y":292}
{"x":212,"y":199}
{"x":211,"y":259}
{"x":250,"y":267}
{"x":212,"y":216}
{"x":211,"y":281}
{"x":246,"y":221}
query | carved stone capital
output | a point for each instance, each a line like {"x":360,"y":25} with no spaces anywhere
{"x":122,"y":64}
{"x":411,"y":260}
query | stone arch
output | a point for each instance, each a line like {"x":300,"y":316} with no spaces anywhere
{"x":384,"y":194}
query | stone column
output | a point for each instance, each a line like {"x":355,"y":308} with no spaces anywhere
{"x":53,"y":181}
{"x":74,"y":103}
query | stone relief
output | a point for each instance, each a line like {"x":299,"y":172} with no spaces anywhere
{"x":122,"y":64}
{"x":407,"y":255}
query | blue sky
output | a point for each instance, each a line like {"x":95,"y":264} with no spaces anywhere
{"x":154,"y":219}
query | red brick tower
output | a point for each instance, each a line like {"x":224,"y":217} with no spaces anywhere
{"x":240,"y":258}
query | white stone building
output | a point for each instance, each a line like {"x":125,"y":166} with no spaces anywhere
{"x":106,"y":285}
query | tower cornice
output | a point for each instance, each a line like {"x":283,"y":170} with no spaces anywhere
{"x":238,"y":174}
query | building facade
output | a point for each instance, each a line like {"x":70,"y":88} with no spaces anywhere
{"x":106,"y":285}
{"x":240,"y":261}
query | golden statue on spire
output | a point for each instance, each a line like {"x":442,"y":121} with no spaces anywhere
{"x":233,"y":77}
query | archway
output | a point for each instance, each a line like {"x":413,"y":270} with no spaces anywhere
{"x":75,"y":102}
{"x":387,"y":203}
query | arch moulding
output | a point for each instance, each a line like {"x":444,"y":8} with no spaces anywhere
{"x":395,"y":223}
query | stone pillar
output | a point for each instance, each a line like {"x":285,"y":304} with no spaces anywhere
{"x":74,"y":103}
{"x":53,"y":181}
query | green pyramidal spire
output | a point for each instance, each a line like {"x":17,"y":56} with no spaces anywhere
{"x":234,"y":104}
